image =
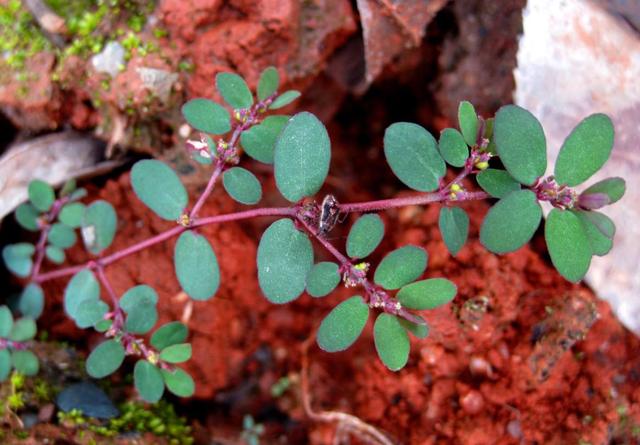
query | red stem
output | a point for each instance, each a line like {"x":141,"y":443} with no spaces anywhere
{"x":207,"y":191}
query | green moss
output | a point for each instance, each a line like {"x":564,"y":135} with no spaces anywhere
{"x":20,"y":36}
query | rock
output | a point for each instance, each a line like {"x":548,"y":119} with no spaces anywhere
{"x":159,"y":82}
{"x":88,"y":398}
{"x":110,"y":60}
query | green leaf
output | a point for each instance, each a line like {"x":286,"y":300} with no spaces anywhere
{"x":234,"y":90}
{"x":105,"y":359}
{"x":511,"y":222}
{"x":5,"y":364}
{"x":259,"y":141}
{"x":78,"y":194}
{"x":176,"y":353}
{"x":6,"y":321}
{"x":613,"y":188}
{"x":103,"y":325}
{"x":365,"y":235}
{"x":413,"y":156}
{"x":343,"y":325}
{"x":585,"y":150}
{"x":285,"y":257}
{"x":83,"y":286}
{"x":207,"y":116}
{"x":139,"y":303}
{"x":23,"y":329}
{"x":400,"y":267}
{"x":599,"y":229}
{"x":148,"y":380}
{"x":488,"y":135}
{"x":179,"y":382}
{"x":169,"y":334}
{"x":90,"y":313}
{"x":242,"y":185}
{"x":68,"y":188}
{"x":322,"y":279}
{"x":302,"y":156}
{"x":99,"y":226}
{"x":17,"y":258}
{"x":454,"y":227}
{"x":453,"y":148}
{"x":196,"y":266}
{"x":27,"y":216}
{"x":520,"y":143}
{"x":268,"y":83}
{"x":62,"y":236}
{"x":158,"y":186}
{"x":418,"y":330}
{"x":55,"y":254}
{"x":41,"y":195}
{"x":25,"y":362}
{"x":568,"y":244}
{"x":284,"y":99}
{"x":468,"y":120}
{"x":392,"y":341}
{"x":31,"y":301}
{"x":497,"y":183}
{"x":427,"y":294}
{"x":72,"y":214}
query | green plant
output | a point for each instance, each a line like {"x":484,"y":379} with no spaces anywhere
{"x":299,"y":149}
{"x":251,"y":431}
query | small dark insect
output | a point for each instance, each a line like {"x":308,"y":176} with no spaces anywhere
{"x":328,"y":215}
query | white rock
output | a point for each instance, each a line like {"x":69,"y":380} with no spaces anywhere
{"x":110,"y":59}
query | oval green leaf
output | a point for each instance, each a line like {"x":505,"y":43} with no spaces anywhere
{"x":18,"y":258}
{"x":139,"y":303}
{"x":400,"y":267}
{"x":568,"y":244}
{"x":25,"y":362}
{"x":158,"y":186}
{"x":392,"y":341}
{"x":242,"y":185}
{"x":6,"y":321}
{"x":322,"y":279}
{"x":55,"y":254}
{"x":454,"y":228}
{"x":27,"y":216}
{"x":99,"y":226}
{"x":259,"y":141}
{"x":148,"y":380}
{"x":585,"y":150}
{"x":176,"y":353}
{"x":418,"y":330}
{"x":5,"y":364}
{"x":234,"y":90}
{"x":285,"y":257}
{"x":302,"y":156}
{"x":23,"y":329}
{"x":613,"y":188}
{"x":284,"y":99}
{"x":468,"y":120}
{"x":511,"y":222}
{"x":413,"y":156}
{"x":62,"y":236}
{"x":427,"y":294}
{"x":72,"y":214}
{"x":169,"y":334}
{"x":365,"y":235}
{"x":343,"y":325}
{"x":207,"y":116}
{"x":599,"y":229}
{"x":196,"y":266}
{"x":105,"y":359}
{"x":497,"y":183}
{"x":31,"y":301}
{"x":179,"y":382}
{"x":90,"y":313}
{"x":41,"y":195}
{"x":83,"y":286}
{"x":268,"y":83}
{"x":520,"y":143}
{"x":453,"y":148}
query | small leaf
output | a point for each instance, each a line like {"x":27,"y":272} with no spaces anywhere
{"x":72,"y":214}
{"x":83,"y":286}
{"x":5,"y":364}
{"x":176,"y":353}
{"x":62,"y":236}
{"x":599,"y":229}
{"x":179,"y":382}
{"x":322,"y":279}
{"x":27,"y":216}
{"x":418,"y":330}
{"x":268,"y":83}
{"x":365,"y":235}
{"x":453,"y":148}
{"x":400,"y":267}
{"x":105,"y":359}
{"x":31,"y":301}
{"x":68,"y":188}
{"x":343,"y":325}
{"x":196,"y":266}
{"x":259,"y":141}
{"x":90,"y":312}
{"x":301,"y":157}
{"x":41,"y":195}
{"x":103,"y":325}
{"x":585,"y":150}
{"x":55,"y":254}
{"x":284,"y":99}
{"x":488,"y":135}
{"x":78,"y":194}
{"x":6,"y":321}
{"x":25,"y":362}
{"x":454,"y":228}
{"x":139,"y":303}
{"x":207,"y":116}
{"x":23,"y":329}
{"x":148,"y":380}
{"x":568,"y":244}
{"x":99,"y":226}
{"x":234,"y":90}
{"x":17,"y":258}
{"x":468,"y":120}
{"x":284,"y":259}
{"x":497,"y":183}
{"x":427,"y":294}
{"x":169,"y":334}
{"x":413,"y":156}
{"x":511,"y":222}
{"x":392,"y":341}
{"x":242,"y":185}
{"x":520,"y":143}
{"x":158,"y":186}
{"x":613,"y":188}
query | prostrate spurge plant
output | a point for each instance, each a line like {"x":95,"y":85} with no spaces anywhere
{"x":300,"y":151}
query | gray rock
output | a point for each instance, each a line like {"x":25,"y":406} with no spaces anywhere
{"x":88,"y":398}
{"x":110,"y":59}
